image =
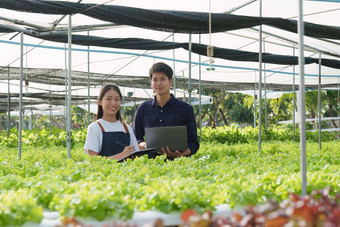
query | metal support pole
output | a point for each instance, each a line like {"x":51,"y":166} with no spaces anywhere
{"x":66,"y":94}
{"x":302,"y":102}
{"x":338,"y":111}
{"x":239,"y":7}
{"x":200,"y":93}
{"x":134,"y":99}
{"x":31,"y":121}
{"x":294,"y":102}
{"x":183,"y":87}
{"x":189,"y":80}
{"x":9,"y":106}
{"x":255,"y":101}
{"x":265,"y":92}
{"x":319,"y":101}
{"x":123,"y":109}
{"x":68,"y":133}
{"x":88,"y":84}
{"x":174,"y":65}
{"x":260,"y":81}
{"x":50,"y":119}
{"x":20,"y":95}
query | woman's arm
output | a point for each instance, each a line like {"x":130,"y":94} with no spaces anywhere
{"x":127,"y":151}
{"x":93,"y":139}
{"x":91,"y":153}
{"x":133,"y":140}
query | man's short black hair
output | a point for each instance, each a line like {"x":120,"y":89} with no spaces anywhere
{"x":161,"y":67}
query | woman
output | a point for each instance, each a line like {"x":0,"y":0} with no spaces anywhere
{"x":109,"y":136}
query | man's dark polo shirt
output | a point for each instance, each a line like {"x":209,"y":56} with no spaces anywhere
{"x":174,"y":113}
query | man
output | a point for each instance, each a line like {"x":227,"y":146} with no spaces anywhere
{"x":165,"y":110}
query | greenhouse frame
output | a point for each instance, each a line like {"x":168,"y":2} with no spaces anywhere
{"x":58,"y":54}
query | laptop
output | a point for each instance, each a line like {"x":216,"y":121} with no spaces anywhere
{"x":175,"y":137}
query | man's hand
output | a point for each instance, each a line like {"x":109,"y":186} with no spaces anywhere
{"x":142,"y":145}
{"x":175,"y":154}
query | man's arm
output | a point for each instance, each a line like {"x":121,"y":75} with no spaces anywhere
{"x":127,"y":151}
{"x":138,"y":126}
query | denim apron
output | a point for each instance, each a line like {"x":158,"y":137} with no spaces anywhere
{"x":113,"y":142}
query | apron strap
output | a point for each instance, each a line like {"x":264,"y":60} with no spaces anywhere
{"x":126,"y":129}
{"x":100,"y":125}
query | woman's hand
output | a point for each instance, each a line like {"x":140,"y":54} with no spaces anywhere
{"x":128,"y":150}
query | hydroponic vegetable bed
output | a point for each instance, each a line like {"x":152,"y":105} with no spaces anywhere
{"x":44,"y":179}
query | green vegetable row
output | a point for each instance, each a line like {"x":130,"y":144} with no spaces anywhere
{"x":222,"y":134}
{"x":45,"y":179}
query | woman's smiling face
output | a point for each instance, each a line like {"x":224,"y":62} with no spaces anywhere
{"x":110,"y":104}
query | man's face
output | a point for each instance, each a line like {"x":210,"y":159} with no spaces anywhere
{"x":160,"y":83}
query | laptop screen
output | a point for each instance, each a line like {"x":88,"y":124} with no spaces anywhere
{"x":175,"y":137}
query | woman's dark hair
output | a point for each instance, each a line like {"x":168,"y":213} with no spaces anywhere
{"x":102,"y":92}
{"x":161,"y":67}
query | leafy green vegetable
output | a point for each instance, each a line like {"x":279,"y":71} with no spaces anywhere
{"x":83,"y":186}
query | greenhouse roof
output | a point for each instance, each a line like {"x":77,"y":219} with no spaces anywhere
{"x":126,"y":37}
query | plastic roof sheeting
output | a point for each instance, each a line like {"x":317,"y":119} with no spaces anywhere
{"x":165,"y":20}
{"x":119,"y":65}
